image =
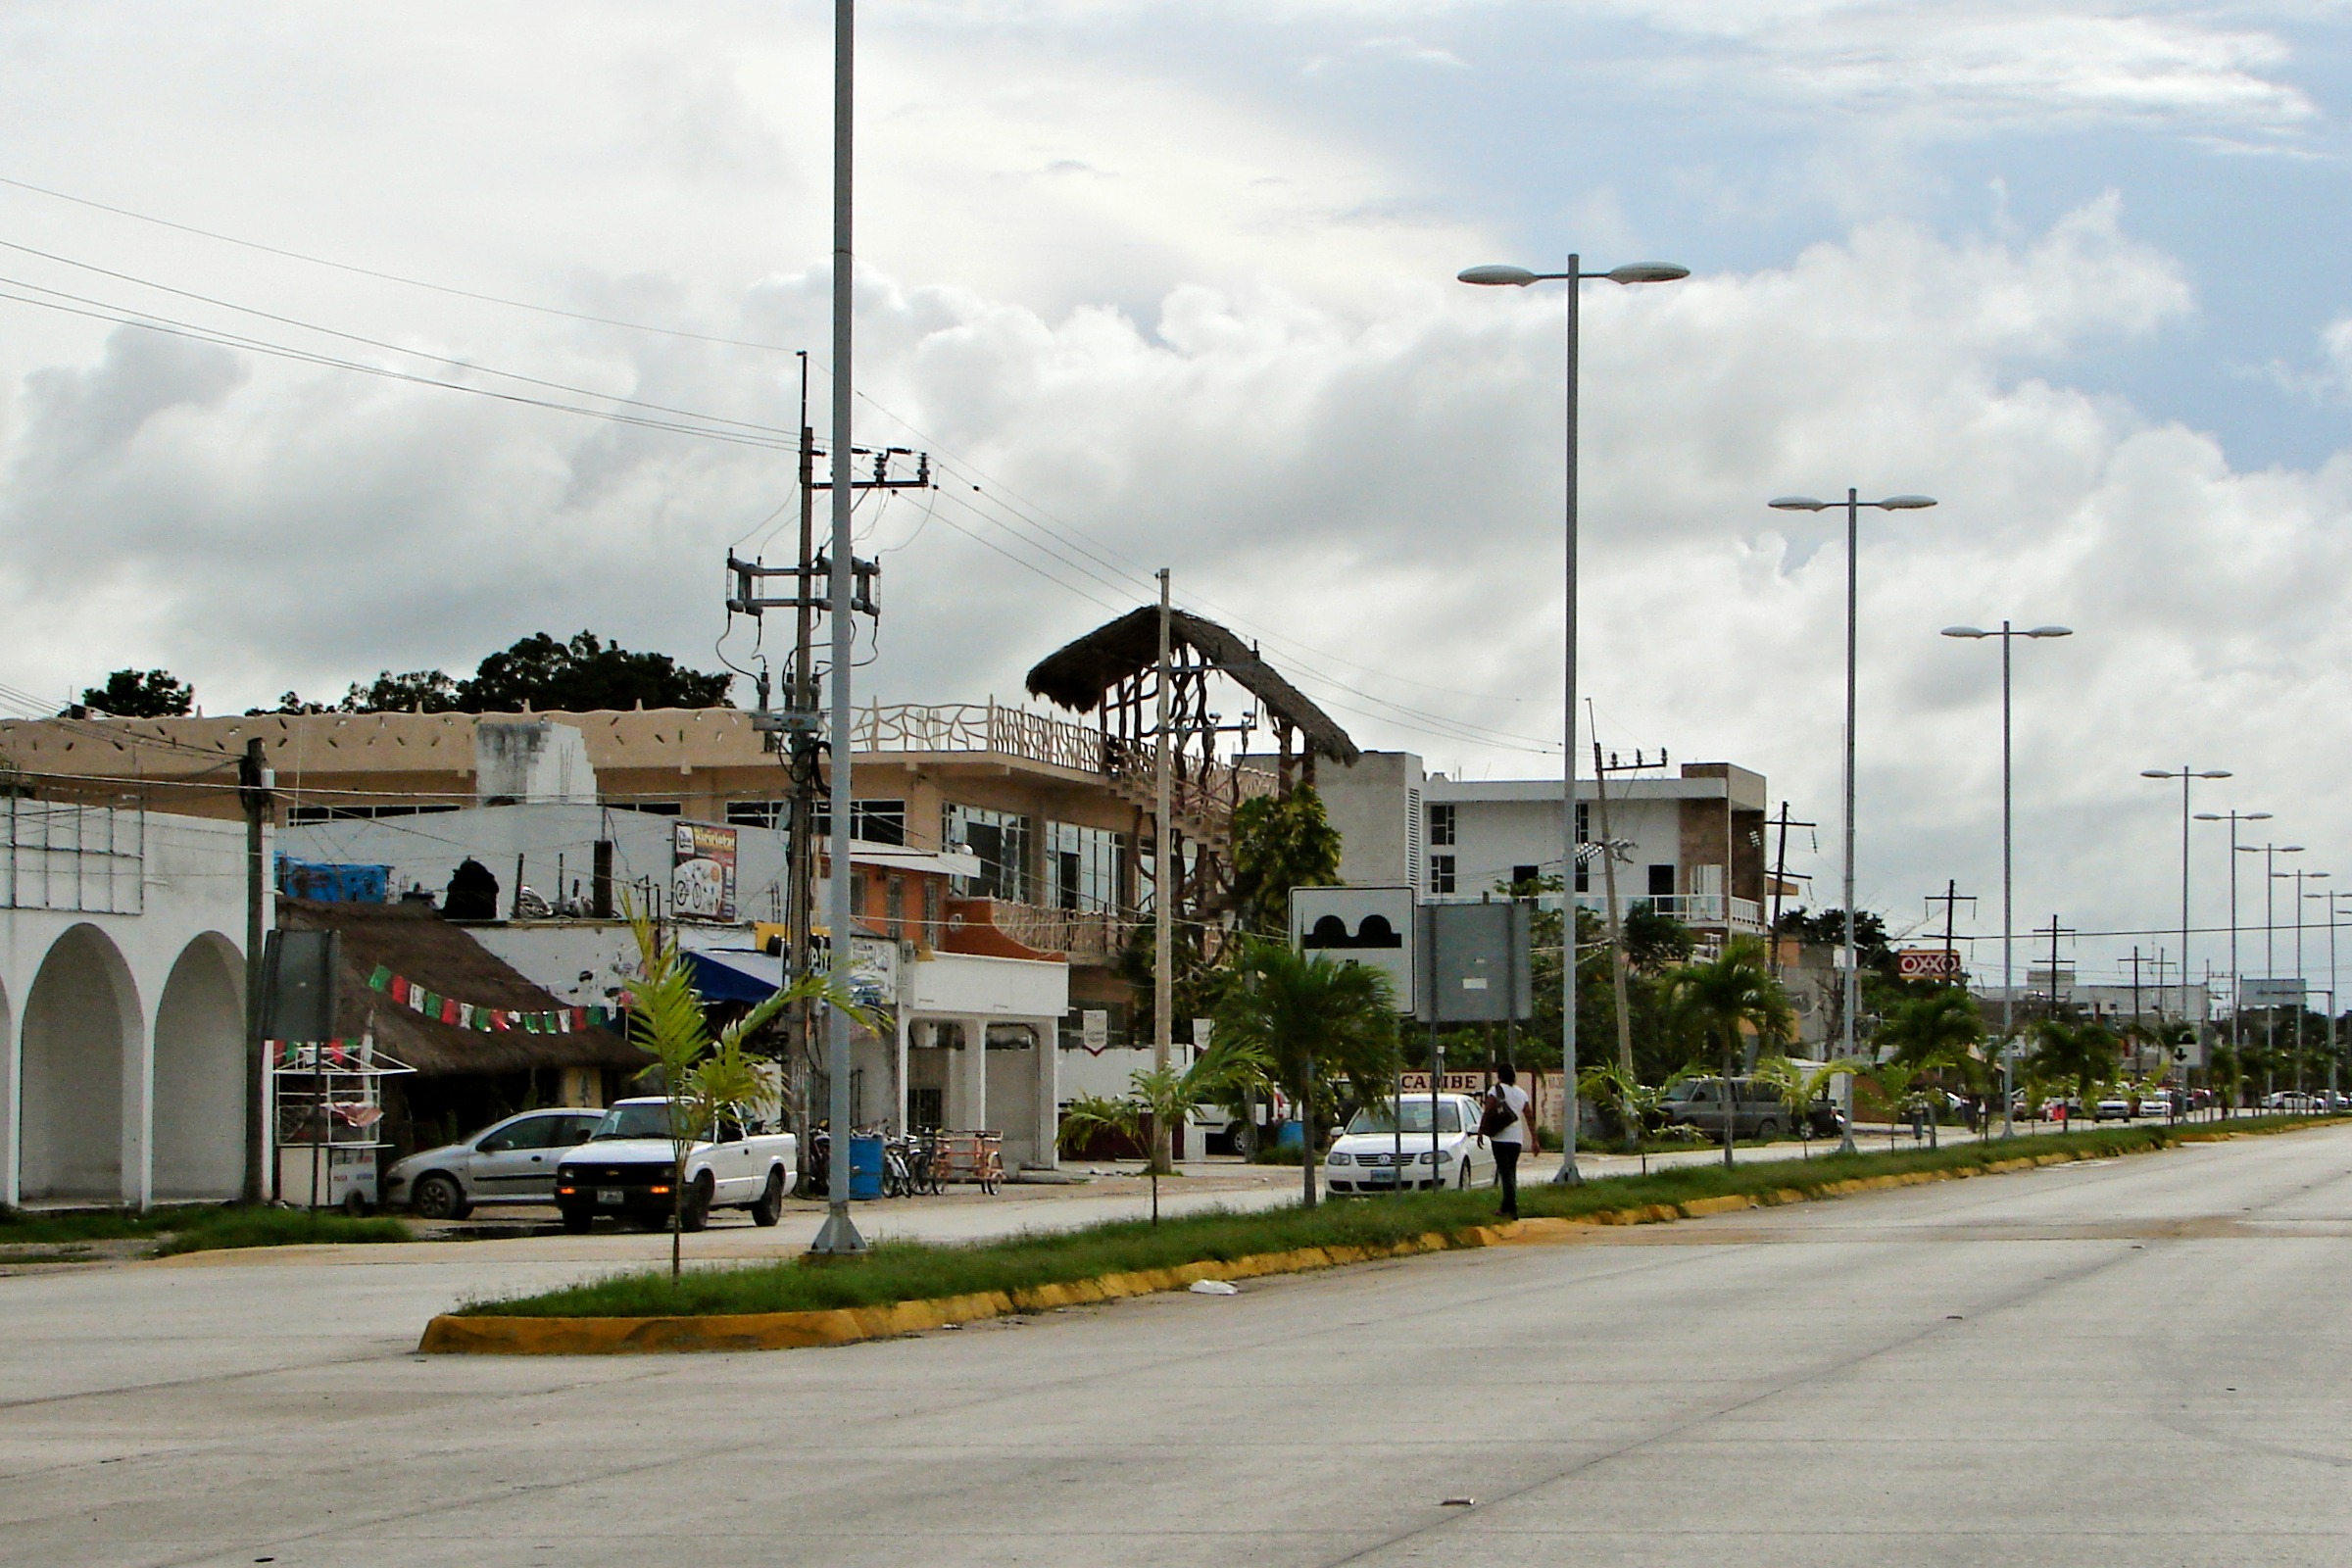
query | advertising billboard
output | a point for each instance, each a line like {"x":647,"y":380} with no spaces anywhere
{"x":701,"y":874}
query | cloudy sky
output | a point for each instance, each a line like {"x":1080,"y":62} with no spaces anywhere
{"x":1171,"y":284}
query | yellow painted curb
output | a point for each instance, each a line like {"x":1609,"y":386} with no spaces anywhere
{"x":786,"y":1331}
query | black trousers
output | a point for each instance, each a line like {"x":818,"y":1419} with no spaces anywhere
{"x":1506,"y":1176}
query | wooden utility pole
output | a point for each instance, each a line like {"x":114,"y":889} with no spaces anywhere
{"x":1616,"y":918}
{"x":1163,"y":897}
{"x":1951,"y":898}
{"x":253,"y":792}
{"x":1779,"y":880}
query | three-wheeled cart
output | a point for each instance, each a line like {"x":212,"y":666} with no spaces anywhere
{"x":977,"y":1157}
{"x":330,"y":1112}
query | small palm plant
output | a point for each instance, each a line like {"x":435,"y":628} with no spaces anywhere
{"x":1160,"y":1097}
{"x":705,"y":1077}
{"x":1726,"y":997}
{"x":1801,"y":1085}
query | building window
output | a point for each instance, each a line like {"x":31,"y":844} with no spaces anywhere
{"x":857,"y":894}
{"x":1583,"y":875}
{"x":1583,"y":821}
{"x":931,"y":908}
{"x":894,"y":906}
{"x":1441,"y":873}
{"x":1000,"y":842}
{"x":359,"y":813}
{"x":757,"y":814}
{"x":1521,"y":875}
{"x":1441,"y":826}
{"x":878,"y":821}
{"x":1661,"y":881}
{"x":1084,"y":866}
{"x":653,"y":808}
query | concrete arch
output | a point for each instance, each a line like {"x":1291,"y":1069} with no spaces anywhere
{"x":200,"y":1073}
{"x":81,"y":1084}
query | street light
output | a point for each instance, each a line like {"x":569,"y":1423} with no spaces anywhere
{"x":2301,"y":986}
{"x":2269,"y":854}
{"x":2334,"y":1047}
{"x":1520,"y":277}
{"x":2236,"y":984}
{"x":1850,"y":993}
{"x":2008,"y":917}
{"x":2185,"y":774}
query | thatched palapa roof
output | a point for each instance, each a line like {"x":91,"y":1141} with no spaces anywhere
{"x":1077,"y":675}
{"x":413,"y":941}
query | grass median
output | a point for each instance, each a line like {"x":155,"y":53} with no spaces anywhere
{"x":183,"y":1228}
{"x":915,"y":1271}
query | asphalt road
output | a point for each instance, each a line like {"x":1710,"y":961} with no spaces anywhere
{"x":2143,"y":1360}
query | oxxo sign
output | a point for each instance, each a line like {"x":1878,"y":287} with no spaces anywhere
{"x":1929,"y":963}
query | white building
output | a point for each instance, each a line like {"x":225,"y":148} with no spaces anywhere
{"x":123,"y":1061}
{"x":1691,"y":845}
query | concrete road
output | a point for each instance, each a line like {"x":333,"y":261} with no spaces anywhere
{"x":2144,"y":1361}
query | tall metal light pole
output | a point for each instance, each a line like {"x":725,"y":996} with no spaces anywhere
{"x":2269,"y":854}
{"x":2185,"y":774}
{"x":2302,"y":987}
{"x":2236,"y":982}
{"x":1574,"y":276}
{"x":2008,"y":877}
{"x":2334,"y":979}
{"x":838,"y":1235}
{"x":1850,"y":993}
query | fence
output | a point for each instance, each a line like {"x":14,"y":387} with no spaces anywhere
{"x":84,"y":859}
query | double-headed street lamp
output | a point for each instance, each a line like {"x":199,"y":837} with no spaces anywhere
{"x":2302,"y":1006}
{"x":2236,"y":982}
{"x":2185,"y":774}
{"x":1520,"y":277}
{"x":2269,"y":854}
{"x":2008,"y":880}
{"x":1849,"y":992}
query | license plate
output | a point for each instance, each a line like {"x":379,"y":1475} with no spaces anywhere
{"x":1381,"y":1176}
{"x":608,"y":1195}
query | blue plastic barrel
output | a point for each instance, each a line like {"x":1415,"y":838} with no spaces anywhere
{"x":1292,"y":1136}
{"x":866,"y":1165}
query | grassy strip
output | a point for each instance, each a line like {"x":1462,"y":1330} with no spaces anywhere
{"x":913,"y":1271}
{"x":195,"y":1227}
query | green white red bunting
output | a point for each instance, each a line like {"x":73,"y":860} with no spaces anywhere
{"x":495,"y":1020}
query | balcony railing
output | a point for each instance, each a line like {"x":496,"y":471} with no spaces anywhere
{"x":1086,"y":936}
{"x":1690,"y":909}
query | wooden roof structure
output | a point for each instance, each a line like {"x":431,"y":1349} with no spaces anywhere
{"x":413,"y":939}
{"x":1080,"y":675}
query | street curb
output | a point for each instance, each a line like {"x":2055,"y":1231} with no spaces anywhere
{"x":452,"y":1334}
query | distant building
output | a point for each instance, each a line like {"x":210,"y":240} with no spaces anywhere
{"x":1691,"y":845}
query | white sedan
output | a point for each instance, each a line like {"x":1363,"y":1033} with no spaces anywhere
{"x":1380,"y":1151}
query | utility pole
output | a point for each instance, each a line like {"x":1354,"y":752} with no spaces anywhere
{"x":1780,"y":879}
{"x":1608,"y":863}
{"x":1950,"y":898}
{"x":253,"y":784}
{"x":1163,"y":897}
{"x":2054,"y":931}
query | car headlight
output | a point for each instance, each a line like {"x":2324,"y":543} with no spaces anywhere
{"x":1338,"y":1158}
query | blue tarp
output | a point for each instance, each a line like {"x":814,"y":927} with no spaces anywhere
{"x":329,"y":883}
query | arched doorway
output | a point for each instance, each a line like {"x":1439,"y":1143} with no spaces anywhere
{"x":200,"y":1074}
{"x":81,"y":1020}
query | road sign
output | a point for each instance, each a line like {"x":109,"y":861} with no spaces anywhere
{"x":1370,"y":926}
{"x":1929,"y":963}
{"x":1093,"y":1029}
{"x":2287,"y":993}
{"x":1474,"y":961}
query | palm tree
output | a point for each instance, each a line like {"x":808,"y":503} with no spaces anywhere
{"x":2083,"y":1054}
{"x":1311,"y":1016}
{"x":1800,"y":1086}
{"x":1729,"y":995}
{"x":1160,"y":1097}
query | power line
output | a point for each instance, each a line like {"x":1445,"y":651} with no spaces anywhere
{"x":392,"y":278}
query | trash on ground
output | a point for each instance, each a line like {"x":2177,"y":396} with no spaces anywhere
{"x":1214,"y":1288}
{"x":1459,"y":1503}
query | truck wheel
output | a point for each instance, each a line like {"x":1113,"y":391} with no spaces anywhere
{"x":439,"y":1196}
{"x":770,"y":1206}
{"x":696,"y":1215}
{"x":1767,"y":1130}
{"x":577,"y":1220}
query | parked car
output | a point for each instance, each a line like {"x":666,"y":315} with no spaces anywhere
{"x":2156,"y":1104}
{"x":2294,"y":1100}
{"x":1757,"y":1110}
{"x":2115,"y":1107}
{"x":512,"y":1161}
{"x":1381,"y":1151}
{"x":625,"y":1171}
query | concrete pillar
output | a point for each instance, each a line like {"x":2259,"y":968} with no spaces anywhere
{"x":138,"y":1108}
{"x":973,"y":1071}
{"x":898,"y":1076}
{"x":1049,"y":1092}
{"x":12,"y":1079}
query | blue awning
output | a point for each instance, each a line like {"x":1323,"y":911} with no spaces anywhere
{"x":733,"y":975}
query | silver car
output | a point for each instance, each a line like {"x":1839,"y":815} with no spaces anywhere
{"x":512,"y":1161}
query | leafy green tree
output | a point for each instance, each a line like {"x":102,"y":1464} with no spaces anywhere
{"x":1727,"y":996}
{"x":705,"y":1077}
{"x":1897,"y":1083}
{"x":583,"y":675}
{"x":1656,"y":942}
{"x":1320,"y":1021}
{"x":1160,"y":1097}
{"x":1935,"y":1027}
{"x":1280,"y":843}
{"x":420,"y":691}
{"x":141,"y":694}
{"x":2080,"y":1056}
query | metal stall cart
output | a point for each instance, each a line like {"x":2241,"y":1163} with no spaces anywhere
{"x":330,"y":1112}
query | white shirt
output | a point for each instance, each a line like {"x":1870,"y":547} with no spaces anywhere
{"x":1515,"y":1099}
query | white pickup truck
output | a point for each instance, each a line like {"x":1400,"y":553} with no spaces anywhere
{"x":625,"y":1168}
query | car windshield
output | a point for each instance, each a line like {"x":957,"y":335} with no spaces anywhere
{"x":634,"y":1121}
{"x":1379,"y":1118}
